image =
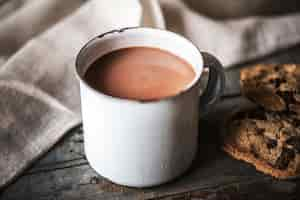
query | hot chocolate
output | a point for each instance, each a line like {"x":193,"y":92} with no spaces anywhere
{"x":140,"y":73}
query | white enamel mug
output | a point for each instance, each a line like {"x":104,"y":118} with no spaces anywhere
{"x":137,"y":143}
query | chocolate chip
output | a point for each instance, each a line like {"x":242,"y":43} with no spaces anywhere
{"x":271,"y":143}
{"x":260,"y":131}
{"x":276,"y":82}
{"x":254,"y":152}
{"x":277,"y":67}
{"x":287,"y":96}
{"x":295,"y":122}
{"x":284,"y":159}
{"x":294,"y":141}
{"x":258,"y":114}
{"x":295,"y":108}
{"x":240,"y":115}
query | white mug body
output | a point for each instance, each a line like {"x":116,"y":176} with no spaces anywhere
{"x":140,"y":143}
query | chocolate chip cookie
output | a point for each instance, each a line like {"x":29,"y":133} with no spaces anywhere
{"x":270,"y":141}
{"x":274,"y":87}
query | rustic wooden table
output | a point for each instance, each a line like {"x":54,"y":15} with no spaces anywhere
{"x":64,"y":173}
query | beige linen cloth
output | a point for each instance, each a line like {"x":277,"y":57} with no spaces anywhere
{"x":39,"y":40}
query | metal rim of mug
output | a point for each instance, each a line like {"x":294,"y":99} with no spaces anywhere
{"x":79,"y":77}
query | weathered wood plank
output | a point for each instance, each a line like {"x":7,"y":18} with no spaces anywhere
{"x":66,"y":153}
{"x":269,"y":188}
{"x":211,"y":169}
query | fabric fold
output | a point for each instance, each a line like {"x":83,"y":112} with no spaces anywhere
{"x":232,"y":40}
{"x":30,"y":123}
{"x":30,"y":19}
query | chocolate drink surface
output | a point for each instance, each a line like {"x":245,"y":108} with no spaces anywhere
{"x":140,"y":73}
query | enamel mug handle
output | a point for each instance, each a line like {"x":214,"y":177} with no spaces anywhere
{"x":215,"y":85}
